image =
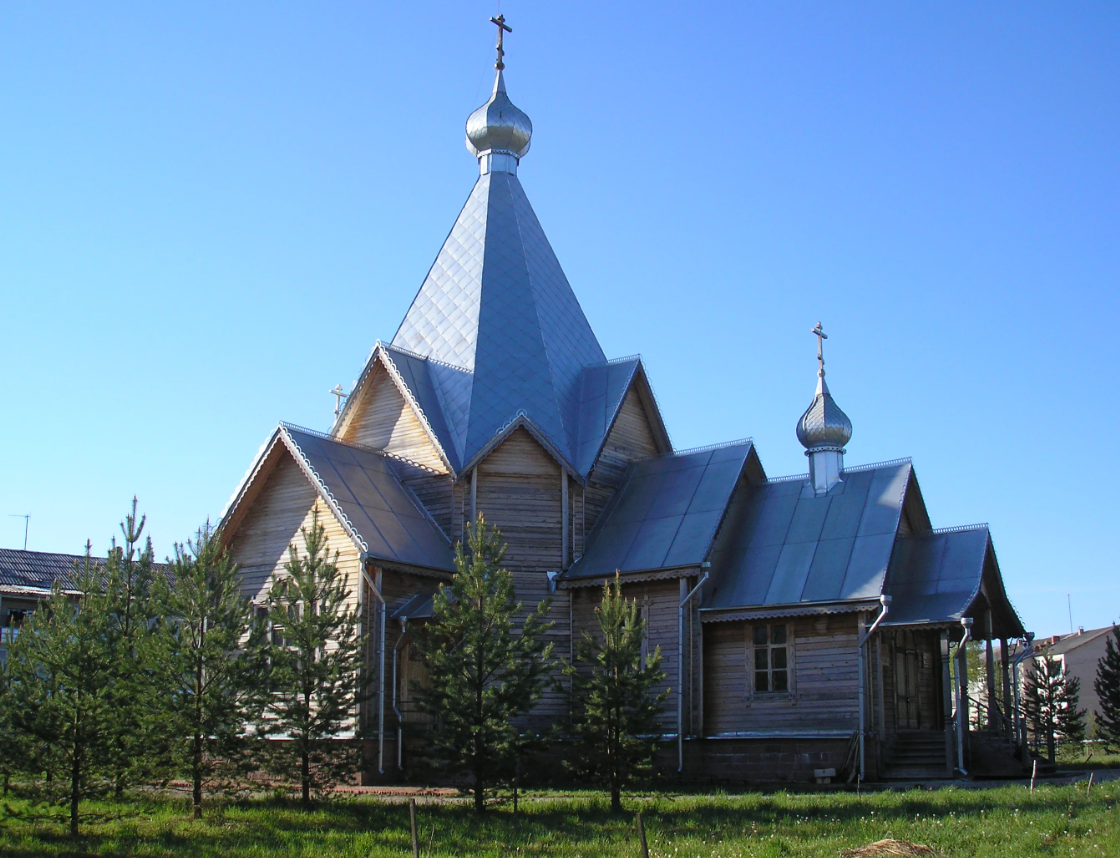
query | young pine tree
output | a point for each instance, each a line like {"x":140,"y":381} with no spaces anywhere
{"x":128,"y":584}
{"x":615,"y":697}
{"x":1107,"y":686}
{"x":1050,"y":704}
{"x":201,"y":657}
{"x":61,"y":685}
{"x":316,"y":671}
{"x":484,"y":667}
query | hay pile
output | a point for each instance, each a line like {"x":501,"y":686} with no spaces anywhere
{"x":889,"y":847}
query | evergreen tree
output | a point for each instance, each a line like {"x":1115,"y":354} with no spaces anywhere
{"x":13,"y":744}
{"x":1107,"y":686}
{"x":316,"y":669}
{"x":201,"y":656}
{"x":61,"y":678}
{"x":616,"y":705}
{"x":1050,"y":705}
{"x":128,"y":585}
{"x":483,"y":671}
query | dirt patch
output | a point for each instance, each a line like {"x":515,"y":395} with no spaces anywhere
{"x":889,"y":847}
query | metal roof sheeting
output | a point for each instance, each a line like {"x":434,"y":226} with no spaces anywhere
{"x":602,"y":391}
{"x":782,"y":544}
{"x":497,"y":304}
{"x":665,"y":514}
{"x":381,"y":512}
{"x":36,"y":571}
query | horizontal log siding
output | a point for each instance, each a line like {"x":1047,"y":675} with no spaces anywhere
{"x":383,"y":420}
{"x":825,"y":674}
{"x":660,"y":600}
{"x":519,"y":493}
{"x":630,"y":438}
{"x":259,"y":544}
{"x":435,"y":491}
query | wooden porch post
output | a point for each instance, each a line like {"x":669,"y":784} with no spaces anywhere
{"x":990,"y":665}
{"x":947,"y":701}
{"x":1005,"y":669}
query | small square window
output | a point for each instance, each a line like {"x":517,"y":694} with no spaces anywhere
{"x":771,"y":658}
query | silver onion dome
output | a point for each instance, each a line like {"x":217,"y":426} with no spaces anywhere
{"x":499,"y":126}
{"x":824,"y":426}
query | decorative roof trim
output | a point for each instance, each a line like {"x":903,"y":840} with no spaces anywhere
{"x":961,"y":528}
{"x":614,"y":361}
{"x":384,"y":455}
{"x":250,"y":477}
{"x":521,"y":420}
{"x":692,"y":451}
{"x":414,"y":403}
{"x":873,"y":466}
{"x":418,"y":356}
{"x":809,"y":609}
{"x":667,"y":573}
{"x":324,"y":491}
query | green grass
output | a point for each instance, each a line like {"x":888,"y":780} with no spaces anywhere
{"x":1007,"y":822}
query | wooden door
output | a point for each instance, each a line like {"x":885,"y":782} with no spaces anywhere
{"x":906,"y":666}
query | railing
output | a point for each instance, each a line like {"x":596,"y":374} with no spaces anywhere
{"x":1004,"y":725}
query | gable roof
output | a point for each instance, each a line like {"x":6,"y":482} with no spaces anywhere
{"x":364,"y":491}
{"x":937,"y":577}
{"x":497,"y":306}
{"x":1065,"y":643}
{"x":785,"y":545}
{"x":33,"y":573}
{"x":665,"y":514}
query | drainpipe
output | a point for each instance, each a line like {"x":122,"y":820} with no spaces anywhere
{"x":707,"y":567}
{"x":1028,"y":651}
{"x":966,"y":623}
{"x":885,"y":602}
{"x":396,"y":711}
{"x":380,"y":678}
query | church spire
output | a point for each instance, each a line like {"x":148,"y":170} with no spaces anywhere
{"x":823,"y":429}
{"x":498,"y":133}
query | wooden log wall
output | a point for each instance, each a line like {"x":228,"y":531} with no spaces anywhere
{"x":630,"y":438}
{"x":518,"y":491}
{"x":825,"y":679}
{"x":382,"y":419}
{"x":659,"y":599}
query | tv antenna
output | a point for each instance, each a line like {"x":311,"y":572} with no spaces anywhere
{"x":26,"y":521}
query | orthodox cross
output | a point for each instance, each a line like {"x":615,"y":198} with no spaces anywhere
{"x":821,"y":337}
{"x":338,"y":397}
{"x":500,"y":21}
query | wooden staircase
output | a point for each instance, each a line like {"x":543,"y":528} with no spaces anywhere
{"x":915,"y":755}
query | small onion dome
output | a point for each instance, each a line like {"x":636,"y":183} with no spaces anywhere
{"x":824,"y":426}
{"x":498,"y":125}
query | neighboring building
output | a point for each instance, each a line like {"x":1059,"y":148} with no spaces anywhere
{"x":1079,"y":654}
{"x":28,"y":577}
{"x":495,"y":398}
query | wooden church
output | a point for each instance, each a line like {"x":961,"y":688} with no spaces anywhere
{"x":807,"y":623}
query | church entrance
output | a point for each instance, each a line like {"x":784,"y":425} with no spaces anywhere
{"x":906,"y":667}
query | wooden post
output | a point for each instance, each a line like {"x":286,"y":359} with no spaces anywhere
{"x":642,"y":836}
{"x":1034,"y":774}
{"x":563,"y":519}
{"x":1089,"y":788}
{"x":412,"y":820}
{"x":474,"y":494}
{"x":1005,"y":671}
{"x":990,"y":665}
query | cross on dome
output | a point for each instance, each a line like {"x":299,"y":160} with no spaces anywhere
{"x":500,"y":21}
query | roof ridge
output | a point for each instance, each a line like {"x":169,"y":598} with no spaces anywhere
{"x":418,"y":356}
{"x":326,"y":436}
{"x":960,"y":528}
{"x":691,"y":451}
{"x":612,"y":361}
{"x":872,"y":466}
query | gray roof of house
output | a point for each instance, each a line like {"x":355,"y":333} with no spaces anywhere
{"x":35,"y":572}
{"x":497,"y":307}
{"x":365,"y":489}
{"x":665,"y":514}
{"x":783,"y":545}
{"x":1071,"y":642}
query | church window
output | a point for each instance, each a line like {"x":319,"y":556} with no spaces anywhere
{"x":771,"y":658}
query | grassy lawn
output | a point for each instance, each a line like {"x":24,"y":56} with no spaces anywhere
{"x":1006,"y":822}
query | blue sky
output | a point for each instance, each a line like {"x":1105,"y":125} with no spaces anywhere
{"x":208,"y":214}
